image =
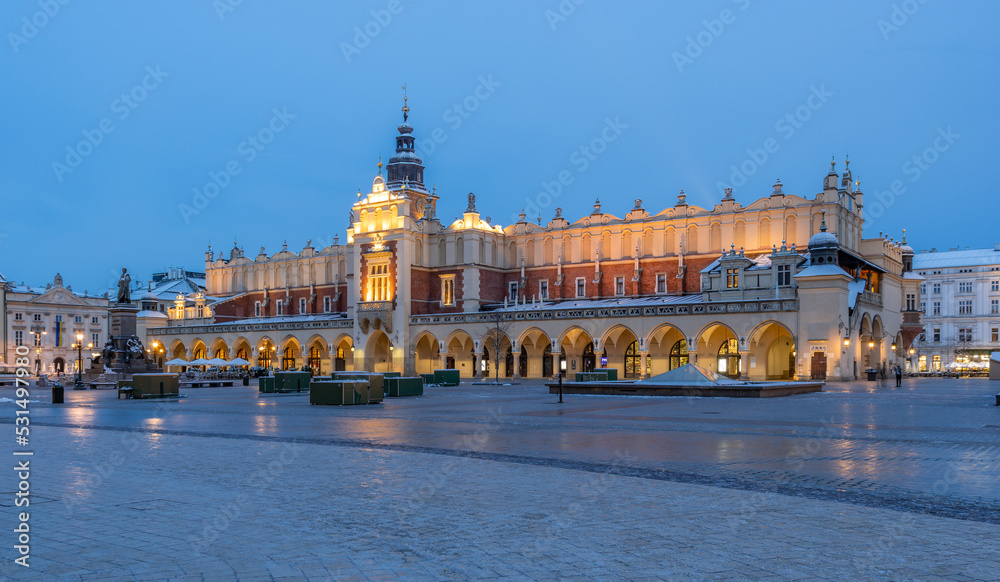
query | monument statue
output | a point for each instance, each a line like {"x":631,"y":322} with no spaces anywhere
{"x":124,"y":293}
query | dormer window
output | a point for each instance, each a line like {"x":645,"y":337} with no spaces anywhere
{"x":732,"y":278}
{"x":784,"y":275}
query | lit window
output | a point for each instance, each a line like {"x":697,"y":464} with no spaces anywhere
{"x":448,"y":290}
{"x":581,"y":287}
{"x":619,"y":286}
{"x":543,"y":289}
{"x":995,"y":334}
{"x":38,"y":340}
{"x":95,"y":338}
{"x":378,"y":282}
{"x":732,"y":278}
{"x":661,"y":283}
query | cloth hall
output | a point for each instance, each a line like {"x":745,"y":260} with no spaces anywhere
{"x":783,"y":287}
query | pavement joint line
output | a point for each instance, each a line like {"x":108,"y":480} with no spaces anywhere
{"x":909,"y":503}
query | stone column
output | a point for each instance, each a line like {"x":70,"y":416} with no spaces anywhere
{"x":444,"y":356}
{"x":516,"y":350}
{"x":744,"y":365}
{"x":642,"y":363}
{"x":478,"y":364}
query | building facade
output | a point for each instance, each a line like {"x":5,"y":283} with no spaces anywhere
{"x":48,"y":320}
{"x":783,"y":287}
{"x":961,"y":307}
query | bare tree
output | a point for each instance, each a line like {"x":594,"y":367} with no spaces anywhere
{"x":500,"y":326}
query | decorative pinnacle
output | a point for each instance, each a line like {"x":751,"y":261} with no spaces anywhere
{"x":380,"y":164}
{"x":822,"y":225}
{"x":847,"y":161}
{"x":833,"y":162}
{"x":406,"y":108}
{"x":904,"y":236}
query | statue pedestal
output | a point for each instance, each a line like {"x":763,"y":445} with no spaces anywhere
{"x":123,"y":320}
{"x":123,"y":328}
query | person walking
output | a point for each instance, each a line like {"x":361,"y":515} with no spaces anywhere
{"x":899,"y":376}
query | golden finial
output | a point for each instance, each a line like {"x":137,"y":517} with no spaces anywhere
{"x":406,"y":108}
{"x":380,"y":164}
{"x":847,"y":160}
{"x":833,"y":162}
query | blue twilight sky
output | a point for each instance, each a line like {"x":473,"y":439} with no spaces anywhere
{"x":676,"y":94}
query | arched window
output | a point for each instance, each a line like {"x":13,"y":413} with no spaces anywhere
{"x":633,"y":361}
{"x":288,"y":359}
{"x":729,"y":359}
{"x":221,"y":353}
{"x":679,"y":354}
{"x":315,"y":361}
{"x":522,"y":362}
{"x":242,"y":353}
{"x":264,"y":359}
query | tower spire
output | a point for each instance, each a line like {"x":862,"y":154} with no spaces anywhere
{"x":406,"y":108}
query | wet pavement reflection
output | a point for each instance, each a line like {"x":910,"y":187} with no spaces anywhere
{"x":934,"y":437}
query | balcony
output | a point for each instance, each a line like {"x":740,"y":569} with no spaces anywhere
{"x":874,"y":299}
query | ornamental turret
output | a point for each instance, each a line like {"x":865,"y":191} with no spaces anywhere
{"x":405,"y":168}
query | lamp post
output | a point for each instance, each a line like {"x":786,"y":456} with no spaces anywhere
{"x":79,"y":359}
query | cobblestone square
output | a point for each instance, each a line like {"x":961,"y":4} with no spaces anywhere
{"x":479,"y":482}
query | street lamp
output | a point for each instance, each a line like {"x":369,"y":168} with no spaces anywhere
{"x":79,"y":359}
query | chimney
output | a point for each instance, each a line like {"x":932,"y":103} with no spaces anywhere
{"x":996,"y":247}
